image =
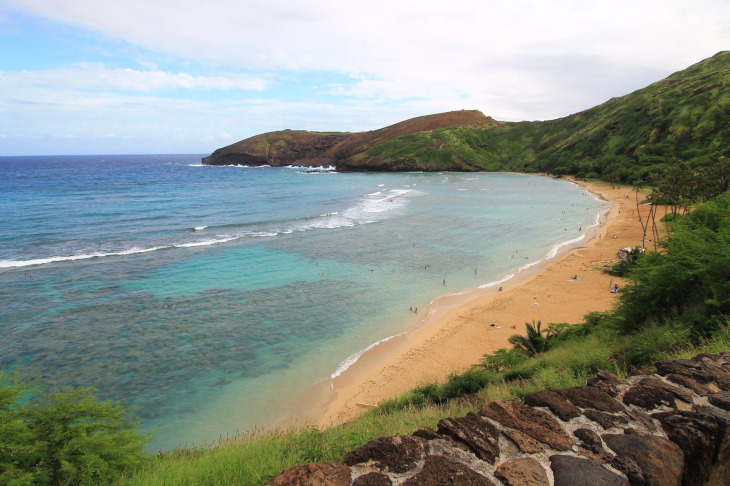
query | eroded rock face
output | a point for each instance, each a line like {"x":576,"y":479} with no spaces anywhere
{"x":649,"y":430}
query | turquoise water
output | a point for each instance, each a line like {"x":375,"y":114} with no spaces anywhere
{"x":210,"y":297}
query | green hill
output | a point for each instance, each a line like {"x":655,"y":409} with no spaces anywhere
{"x":685,"y":117}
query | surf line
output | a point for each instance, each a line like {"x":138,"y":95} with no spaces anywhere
{"x":346,"y":364}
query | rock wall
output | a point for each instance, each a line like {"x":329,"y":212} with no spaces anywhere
{"x":668,"y":428}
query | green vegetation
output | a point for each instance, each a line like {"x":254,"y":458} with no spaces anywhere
{"x":671,"y":136}
{"x":684,"y":118}
{"x":63,"y":438}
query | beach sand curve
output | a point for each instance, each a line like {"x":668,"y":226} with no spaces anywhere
{"x":455,"y":333}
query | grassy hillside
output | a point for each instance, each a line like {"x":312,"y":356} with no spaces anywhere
{"x":685,"y":117}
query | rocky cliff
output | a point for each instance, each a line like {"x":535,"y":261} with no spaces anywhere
{"x":345,"y":151}
{"x":665,"y":428}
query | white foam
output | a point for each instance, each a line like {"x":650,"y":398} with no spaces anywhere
{"x":199,"y":228}
{"x":193,"y":244}
{"x":70,"y":258}
{"x":497,"y":282}
{"x":196,"y":165}
{"x":353,"y":359}
{"x":554,"y":249}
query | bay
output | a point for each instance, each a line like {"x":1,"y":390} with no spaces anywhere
{"x":209,"y":298}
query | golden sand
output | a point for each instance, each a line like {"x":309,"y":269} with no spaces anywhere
{"x":455,"y":333}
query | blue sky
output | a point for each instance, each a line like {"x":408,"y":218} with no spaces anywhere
{"x":184,"y":76}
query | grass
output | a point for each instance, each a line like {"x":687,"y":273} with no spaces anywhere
{"x":253,"y":459}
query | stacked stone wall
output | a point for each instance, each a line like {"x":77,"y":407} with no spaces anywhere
{"x":666,"y":428}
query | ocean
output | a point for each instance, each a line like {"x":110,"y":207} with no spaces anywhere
{"x":210,"y":298}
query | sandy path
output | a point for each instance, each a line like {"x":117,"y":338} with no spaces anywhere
{"x":458,"y":334}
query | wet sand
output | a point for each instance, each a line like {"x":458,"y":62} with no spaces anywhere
{"x":455,"y":333}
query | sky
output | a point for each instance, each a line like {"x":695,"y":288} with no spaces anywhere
{"x":190,"y":76}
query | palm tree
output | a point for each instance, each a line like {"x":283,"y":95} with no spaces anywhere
{"x":532,"y":344}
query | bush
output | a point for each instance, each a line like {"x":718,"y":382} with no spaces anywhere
{"x":68,"y":437}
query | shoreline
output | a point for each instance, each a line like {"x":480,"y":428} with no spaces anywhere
{"x":454,"y":333}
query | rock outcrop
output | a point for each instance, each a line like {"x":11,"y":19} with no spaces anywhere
{"x":665,"y":429}
{"x":344,"y":151}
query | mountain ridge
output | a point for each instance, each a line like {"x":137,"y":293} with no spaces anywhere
{"x":682,"y":118}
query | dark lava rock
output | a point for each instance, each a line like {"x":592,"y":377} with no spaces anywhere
{"x":721,"y":400}
{"x":576,"y":471}
{"x":605,"y":420}
{"x":643,"y":419}
{"x":522,"y":472}
{"x":477,"y":434}
{"x":589,"y":438}
{"x":652,"y":392}
{"x":372,"y":479}
{"x":660,"y":460}
{"x":698,"y":436}
{"x":591,"y":397}
{"x":397,"y":454}
{"x":524,"y":442}
{"x":319,"y":474}
{"x":701,"y":369}
{"x":536,"y":423}
{"x":440,"y":471}
{"x":629,"y":467}
{"x":428,"y":434}
{"x":558,"y":405}
{"x":689,"y":383}
{"x":605,"y":382}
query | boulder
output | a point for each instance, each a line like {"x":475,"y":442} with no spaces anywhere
{"x":522,"y":472}
{"x":477,"y":434}
{"x":605,"y":420}
{"x":698,"y":436}
{"x":577,"y":471}
{"x":318,"y":474}
{"x":558,"y":405}
{"x":372,"y":479}
{"x":534,"y":422}
{"x":651,"y":392}
{"x":441,"y":471}
{"x":591,"y":397}
{"x":660,"y":460}
{"x":397,"y":454}
{"x":701,"y":369}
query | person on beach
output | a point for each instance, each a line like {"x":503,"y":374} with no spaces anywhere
{"x":444,"y":281}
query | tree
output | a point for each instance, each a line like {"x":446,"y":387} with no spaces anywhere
{"x":533,"y":343}
{"x":689,"y":281}
{"x":67,"y":437}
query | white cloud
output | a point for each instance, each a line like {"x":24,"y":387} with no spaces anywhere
{"x":86,"y":76}
{"x":512,"y":59}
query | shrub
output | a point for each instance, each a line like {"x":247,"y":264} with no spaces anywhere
{"x":68,"y":437}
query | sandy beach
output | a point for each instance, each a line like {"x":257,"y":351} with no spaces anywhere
{"x":455,"y":332}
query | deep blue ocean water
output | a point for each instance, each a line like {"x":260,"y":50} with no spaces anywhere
{"x":209,"y":297}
